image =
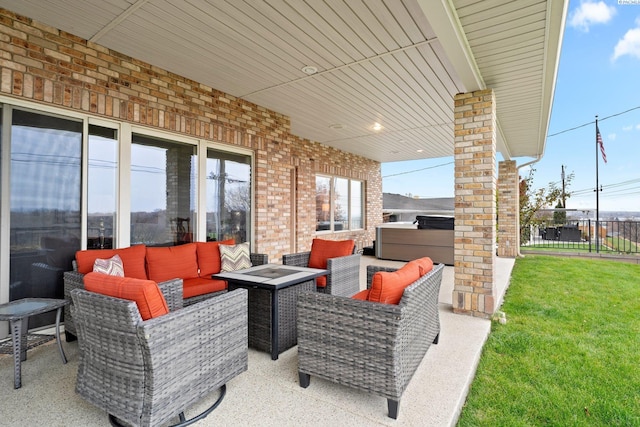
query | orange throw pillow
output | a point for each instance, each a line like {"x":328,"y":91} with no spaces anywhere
{"x":209,"y":256}
{"x":132,"y":260}
{"x":387,"y":287}
{"x":173,"y":262}
{"x":145,"y":293}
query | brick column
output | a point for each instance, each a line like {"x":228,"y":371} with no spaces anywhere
{"x":508,"y":210}
{"x":475,"y":203}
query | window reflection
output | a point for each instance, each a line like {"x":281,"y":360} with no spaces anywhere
{"x":339,"y":204}
{"x":45,"y":205}
{"x":228,"y":196}
{"x":163,"y":191}
{"x":102,"y":184}
{"x":323,"y":203}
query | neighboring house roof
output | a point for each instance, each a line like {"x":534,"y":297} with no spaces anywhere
{"x":397,"y":202}
{"x":398,"y":63}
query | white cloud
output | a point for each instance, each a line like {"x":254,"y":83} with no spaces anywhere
{"x":629,"y":44}
{"x":638,"y":127}
{"x":611,"y":137}
{"x":627,"y":128}
{"x":590,"y":13}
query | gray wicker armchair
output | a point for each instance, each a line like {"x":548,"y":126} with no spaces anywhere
{"x":343,"y":278}
{"x":148,"y":372}
{"x":366,"y":345}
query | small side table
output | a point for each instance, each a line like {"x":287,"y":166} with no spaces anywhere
{"x":18,"y":313}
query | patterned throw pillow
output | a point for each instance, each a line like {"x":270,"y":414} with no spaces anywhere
{"x":234,"y":257}
{"x":112,"y":266}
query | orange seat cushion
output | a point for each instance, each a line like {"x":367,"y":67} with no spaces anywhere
{"x":208,"y":254}
{"x":145,"y":293}
{"x":362,"y":295}
{"x":201,"y":285}
{"x":425,"y":265}
{"x":132,"y":260}
{"x":322,"y":250}
{"x":388,"y":287}
{"x":172,"y":262}
{"x":321,"y":281}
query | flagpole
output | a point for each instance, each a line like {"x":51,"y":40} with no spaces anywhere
{"x":597,"y":195}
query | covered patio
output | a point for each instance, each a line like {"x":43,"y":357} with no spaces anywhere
{"x":300,"y":94}
{"x":303,"y":92}
{"x":268,"y":394}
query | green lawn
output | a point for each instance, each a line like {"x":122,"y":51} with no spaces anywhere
{"x":569,"y":354}
{"x":550,"y":247}
{"x":621,"y":245}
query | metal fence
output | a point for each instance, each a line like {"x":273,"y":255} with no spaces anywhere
{"x":620,"y":237}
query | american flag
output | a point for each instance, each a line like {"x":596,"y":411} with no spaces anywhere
{"x":599,"y":141}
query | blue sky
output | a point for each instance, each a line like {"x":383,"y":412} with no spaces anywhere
{"x":599,"y":74}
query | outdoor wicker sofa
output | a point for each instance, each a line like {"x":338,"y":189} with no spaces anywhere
{"x":147,"y":372}
{"x":370,"y":346}
{"x":74,"y":280}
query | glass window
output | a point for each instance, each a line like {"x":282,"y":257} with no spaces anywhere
{"x":323,"y":203}
{"x":339,"y":204}
{"x":102,"y":185}
{"x":45,"y":191}
{"x":355,"y":203}
{"x":163,"y":191}
{"x":228,"y":196}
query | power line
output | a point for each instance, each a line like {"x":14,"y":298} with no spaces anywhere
{"x":417,"y":170}
{"x":608,"y":186}
{"x":592,"y":122}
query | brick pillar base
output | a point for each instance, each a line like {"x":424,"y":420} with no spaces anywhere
{"x":475,"y":203}
{"x":508,"y":210}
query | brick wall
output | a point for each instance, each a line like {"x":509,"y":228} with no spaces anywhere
{"x":475,"y":202}
{"x":508,"y":209}
{"x":47,"y":66}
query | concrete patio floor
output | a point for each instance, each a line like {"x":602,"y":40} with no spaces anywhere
{"x":268,"y":394}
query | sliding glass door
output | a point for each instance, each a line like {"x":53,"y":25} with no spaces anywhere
{"x":140,"y":186}
{"x":45,"y":190}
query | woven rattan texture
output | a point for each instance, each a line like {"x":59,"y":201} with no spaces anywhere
{"x":343,"y":278}
{"x":147,"y":372}
{"x":369,"y":346}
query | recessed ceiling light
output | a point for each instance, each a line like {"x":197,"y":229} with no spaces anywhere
{"x":420,"y":150}
{"x":377,"y":126}
{"x":337,"y":126}
{"x":309,"y":69}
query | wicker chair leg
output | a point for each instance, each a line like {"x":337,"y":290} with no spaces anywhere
{"x":436,"y":339}
{"x":115,"y":422}
{"x":393,"y":406}
{"x":305,"y":379}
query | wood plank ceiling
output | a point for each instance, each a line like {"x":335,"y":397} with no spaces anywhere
{"x":393,"y":62}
